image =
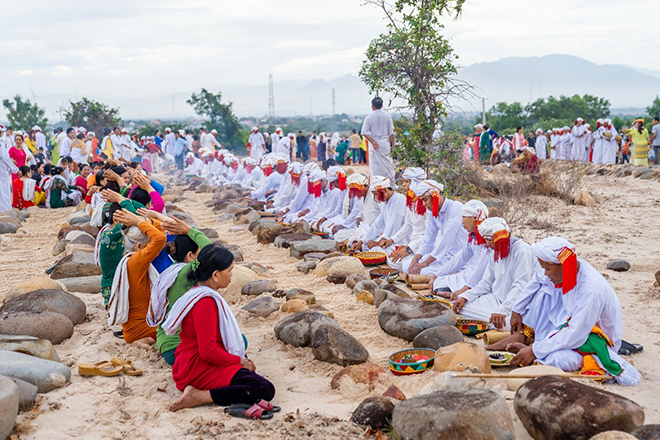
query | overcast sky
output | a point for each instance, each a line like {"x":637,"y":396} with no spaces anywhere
{"x":144,"y":48}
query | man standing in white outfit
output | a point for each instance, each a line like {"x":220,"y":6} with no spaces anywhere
{"x":378,"y":129}
{"x":257,"y":144}
{"x":7,"y":166}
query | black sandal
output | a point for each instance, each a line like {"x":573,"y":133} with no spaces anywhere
{"x":248,"y":412}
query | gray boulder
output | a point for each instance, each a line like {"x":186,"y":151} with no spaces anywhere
{"x":306,"y":266}
{"x":41,"y":348}
{"x":298,"y":329}
{"x":287,"y":240}
{"x":436,"y":337}
{"x":314,"y":256}
{"x":353,"y":279}
{"x":456,"y":415}
{"x":13,"y":220}
{"x":406,"y":319}
{"x":237,"y":252}
{"x":337,"y":346}
{"x":9,"y":399}
{"x":8,"y":228}
{"x":90,"y":284}
{"x":647,"y":432}
{"x":258,"y":287}
{"x":45,"y":325}
{"x":618,"y":265}
{"x":380,"y":296}
{"x":553,"y":407}
{"x":313,"y":245}
{"x":26,"y":394}
{"x":246,"y":216}
{"x":48,"y":300}
{"x":59,"y":247}
{"x":303,"y":294}
{"x":374,"y":412}
{"x":79,"y":264}
{"x":262,"y":306}
{"x":45,"y":375}
{"x":336,"y":278}
{"x":210,"y":232}
{"x":368,"y":285}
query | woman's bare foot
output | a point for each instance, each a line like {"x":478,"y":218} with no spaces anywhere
{"x":145,"y":343}
{"x":504,"y":343}
{"x":191,"y":398}
{"x":515,"y":347}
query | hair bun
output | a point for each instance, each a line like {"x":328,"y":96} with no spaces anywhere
{"x":170,"y":248}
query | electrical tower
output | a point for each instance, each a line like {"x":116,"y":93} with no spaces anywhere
{"x":271,"y":97}
{"x":333,"y":102}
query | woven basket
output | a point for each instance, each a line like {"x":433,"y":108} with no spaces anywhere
{"x":372,"y":258}
{"x":401,"y":363}
{"x":321,"y":234}
{"x":257,"y":205}
{"x":384,"y":273}
{"x":471,"y":327}
{"x":442,"y":301}
{"x":264,"y":214}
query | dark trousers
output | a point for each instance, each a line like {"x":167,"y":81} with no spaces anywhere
{"x":179,"y":161}
{"x":245,"y":387}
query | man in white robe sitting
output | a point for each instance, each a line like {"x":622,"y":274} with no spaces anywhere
{"x":333,"y":197}
{"x":342,"y":226}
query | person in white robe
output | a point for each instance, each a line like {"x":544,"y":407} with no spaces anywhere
{"x":289,"y":188}
{"x":317,"y":186}
{"x":610,"y":144}
{"x":378,"y":129}
{"x":578,"y":140}
{"x":342,"y":226}
{"x":333,"y":197}
{"x":275,"y":139}
{"x":168,"y":142}
{"x":466,"y":267}
{"x":445,"y":234}
{"x":404,"y":243}
{"x":304,"y":197}
{"x":257,"y":144}
{"x":554,"y":144}
{"x":566,"y":144}
{"x":590,"y":306}
{"x":507,"y":274}
{"x":40,"y":138}
{"x":391,"y":218}
{"x":7,"y":166}
{"x":272,"y":183}
{"x":589,"y":141}
{"x":598,"y":157}
{"x":195,"y":164}
{"x":541,"y":145}
{"x":253,"y":173}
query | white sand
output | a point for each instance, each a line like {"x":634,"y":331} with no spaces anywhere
{"x":623,"y":225}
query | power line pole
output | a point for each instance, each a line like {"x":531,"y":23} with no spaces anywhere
{"x":271,"y":96}
{"x":333,"y":102}
{"x":483,"y":110}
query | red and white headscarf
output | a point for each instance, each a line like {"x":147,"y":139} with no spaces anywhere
{"x":496,"y":229}
{"x":433,"y":189}
{"x":557,"y":250}
{"x":477,"y":210}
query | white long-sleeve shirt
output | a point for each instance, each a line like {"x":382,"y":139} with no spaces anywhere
{"x":541,"y":146}
{"x":413,"y":230}
{"x":591,"y":302}
{"x":445,"y":234}
{"x":331,"y":204}
{"x":65,"y":147}
{"x":390,"y":219}
{"x":506,"y":278}
{"x":40,"y":140}
{"x":472,"y":261}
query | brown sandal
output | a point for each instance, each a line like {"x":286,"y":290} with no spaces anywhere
{"x":127,"y":367}
{"x":104,"y":368}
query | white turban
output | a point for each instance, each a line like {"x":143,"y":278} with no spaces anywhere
{"x":278,"y":130}
{"x":317,"y":175}
{"x":549,"y":249}
{"x":566,"y":128}
{"x":476,"y":209}
{"x":426,"y":187}
{"x":539,"y":130}
{"x":296,"y":168}
{"x":189,"y":155}
{"x":255,"y":128}
{"x":250,"y":161}
{"x":214,"y":131}
{"x":357,"y":179}
{"x":413,"y":173}
{"x":168,"y":129}
{"x":580,"y":120}
{"x":182,"y":132}
{"x":379,"y":182}
{"x":492,"y":225}
{"x":334,"y":172}
{"x":309,"y":167}
{"x":36,"y":128}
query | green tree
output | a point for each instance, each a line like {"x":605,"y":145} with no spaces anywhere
{"x":412,"y":61}
{"x":23,"y":115}
{"x":220,"y":117}
{"x":93,"y":115}
{"x":653,"y":110}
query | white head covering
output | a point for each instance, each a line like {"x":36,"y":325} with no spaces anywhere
{"x":309,"y":167}
{"x":334,"y":172}
{"x":36,"y":128}
{"x":478,"y":126}
{"x":600,"y":120}
{"x":214,"y":131}
{"x":278,"y":130}
{"x":476,"y":209}
{"x":549,"y":249}
{"x":425,"y":187}
{"x":317,"y":175}
{"x":491,"y":226}
{"x":608,"y":121}
{"x":167,"y":129}
{"x":580,"y":120}
{"x":539,"y":130}
{"x":413,"y":173}
{"x":291,"y":135}
{"x":296,"y":167}
{"x":189,"y":155}
{"x":255,"y":128}
{"x":125,"y":130}
{"x":379,"y":182}
{"x":566,"y":128}
{"x":357,"y":178}
{"x":250,"y":161}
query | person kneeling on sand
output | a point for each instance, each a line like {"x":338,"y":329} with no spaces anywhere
{"x":211,"y":365}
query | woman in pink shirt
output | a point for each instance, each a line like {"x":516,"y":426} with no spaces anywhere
{"x":17,"y":153}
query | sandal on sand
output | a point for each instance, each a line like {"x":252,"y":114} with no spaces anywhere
{"x":127,"y":366}
{"x":105,"y":368}
{"x":268,"y":406}
{"x":248,"y":412}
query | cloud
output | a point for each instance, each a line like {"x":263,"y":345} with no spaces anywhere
{"x":26,"y":72}
{"x":63,"y":71}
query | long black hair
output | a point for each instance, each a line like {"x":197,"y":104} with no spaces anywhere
{"x":179,"y":247}
{"x":210,"y":259}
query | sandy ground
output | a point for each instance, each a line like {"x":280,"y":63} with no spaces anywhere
{"x":622,"y":225}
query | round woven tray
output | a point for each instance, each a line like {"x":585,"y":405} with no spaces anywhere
{"x":372,"y":258}
{"x":321,"y":234}
{"x":385,"y":273}
{"x":471,"y":327}
{"x":442,"y":301}
{"x":401,"y":368}
{"x":264,"y":214}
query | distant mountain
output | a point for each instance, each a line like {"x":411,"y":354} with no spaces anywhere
{"x":527,"y":79}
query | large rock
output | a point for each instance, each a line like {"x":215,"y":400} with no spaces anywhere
{"x":45,"y":375}
{"x":8,"y":228}
{"x":26,"y":394}
{"x":313,"y":245}
{"x":406,"y":319}
{"x":647,"y":432}
{"x":80,"y":264}
{"x":240,"y":276}
{"x":237,"y":252}
{"x":396,"y":290}
{"x":337,"y":346}
{"x":59,"y":247}
{"x":375,"y":412}
{"x":32,"y":284}
{"x":258,"y":287}
{"x":368,"y":285}
{"x":80,"y":237}
{"x":618,"y":265}
{"x":552,"y":407}
{"x":336,"y":278}
{"x":298,"y":329}
{"x":366,"y":373}
{"x":45,"y":325}
{"x":209,"y":232}
{"x":267,"y":232}
{"x":456,"y":415}
{"x":613,"y":435}
{"x":462,"y":356}
{"x":13,"y":220}
{"x":48,"y":300}
{"x":306,"y":266}
{"x":352,"y":280}
{"x":533,"y":370}
{"x":303,"y":294}
{"x":78,"y":217}
{"x":365,"y":296}
{"x":340,"y":265}
{"x":437,"y":337}
{"x":287,"y":240}
{"x":9,"y":399}
{"x":262,"y":307}
{"x":83,"y":284}
{"x":294,"y":306}
{"x":41,"y":348}
{"x":246,"y":216}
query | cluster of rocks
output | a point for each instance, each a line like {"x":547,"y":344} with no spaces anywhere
{"x":643,"y":173}
{"x":11,"y":221}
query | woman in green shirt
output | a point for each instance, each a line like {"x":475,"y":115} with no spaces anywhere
{"x":60,"y":190}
